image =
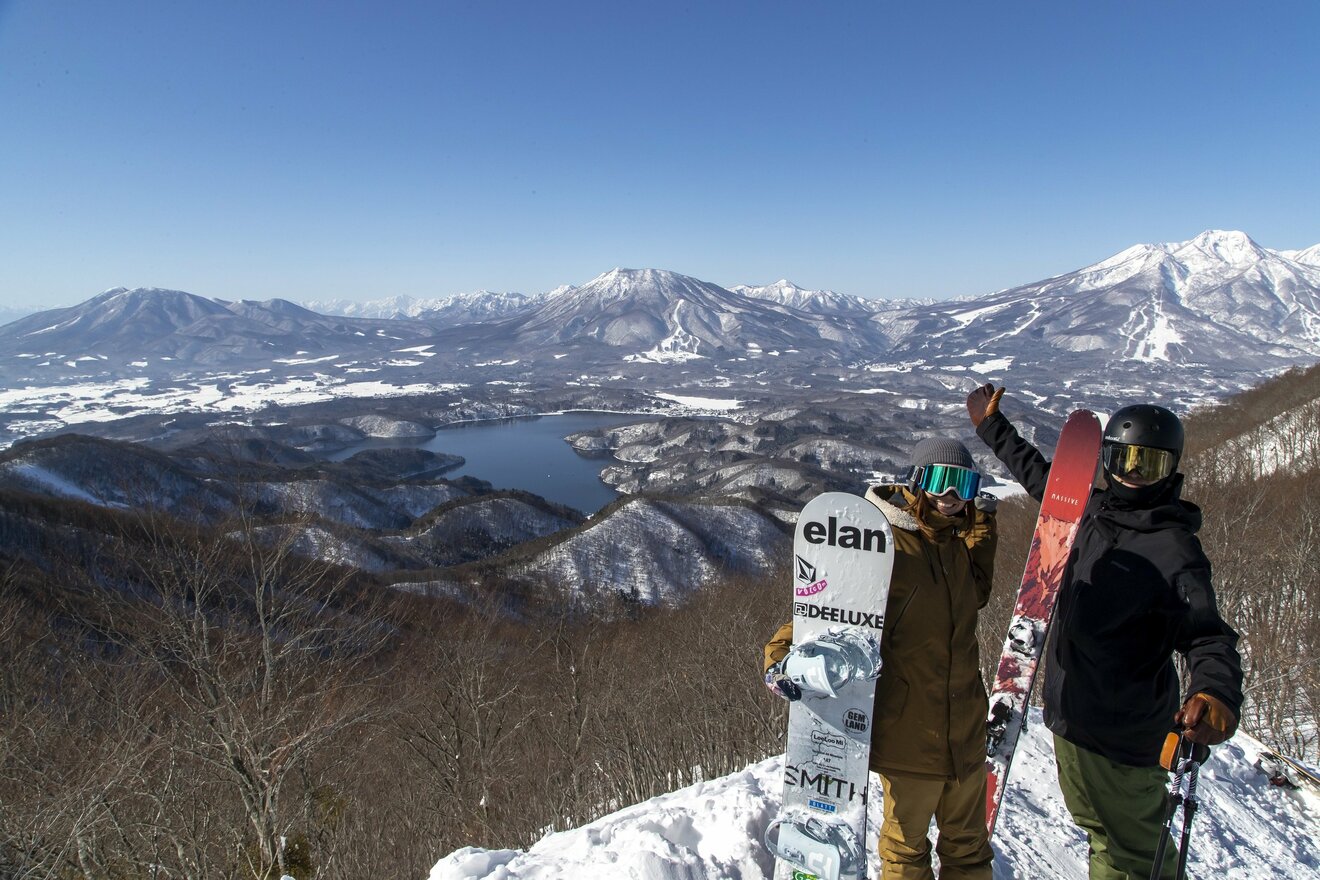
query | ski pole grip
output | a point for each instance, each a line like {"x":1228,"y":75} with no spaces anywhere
{"x":1169,"y":754}
{"x":1177,"y":746}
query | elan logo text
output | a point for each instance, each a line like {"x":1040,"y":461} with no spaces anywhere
{"x":848,"y":537}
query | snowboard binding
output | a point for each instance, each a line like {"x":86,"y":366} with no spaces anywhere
{"x":822,"y":665}
{"x":996,"y":726}
{"x":816,"y":846}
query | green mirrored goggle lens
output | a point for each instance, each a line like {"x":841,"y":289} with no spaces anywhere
{"x":940,"y":478}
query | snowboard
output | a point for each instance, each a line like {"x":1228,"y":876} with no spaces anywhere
{"x":1067,"y":489}
{"x":843,"y":556}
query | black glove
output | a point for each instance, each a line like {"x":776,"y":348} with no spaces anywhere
{"x":781,"y":685}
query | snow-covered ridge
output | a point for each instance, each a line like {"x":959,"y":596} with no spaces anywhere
{"x":474,"y":306}
{"x":1185,"y":321}
{"x":1307,"y":256}
{"x":1245,"y":828}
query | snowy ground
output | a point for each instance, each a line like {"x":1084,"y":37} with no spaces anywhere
{"x":1246,"y":828}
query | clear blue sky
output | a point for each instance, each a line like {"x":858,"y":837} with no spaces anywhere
{"x":333,"y":149}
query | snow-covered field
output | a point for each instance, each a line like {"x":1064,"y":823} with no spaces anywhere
{"x":1246,"y":828}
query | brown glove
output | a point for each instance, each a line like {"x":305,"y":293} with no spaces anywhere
{"x":1206,"y":720}
{"x":983,"y":402}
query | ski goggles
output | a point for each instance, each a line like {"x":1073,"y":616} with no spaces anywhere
{"x":1148,"y":463}
{"x":940,"y":478}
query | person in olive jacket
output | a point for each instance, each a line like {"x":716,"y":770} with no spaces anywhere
{"x":1136,"y":590}
{"x":928,"y":742}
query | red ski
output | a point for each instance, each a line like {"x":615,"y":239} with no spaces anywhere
{"x":1072,"y":474}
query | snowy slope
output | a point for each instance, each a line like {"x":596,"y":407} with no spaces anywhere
{"x":1216,"y":299}
{"x":480,"y":305}
{"x":653,"y":312}
{"x":821,"y":302}
{"x":1245,"y":828}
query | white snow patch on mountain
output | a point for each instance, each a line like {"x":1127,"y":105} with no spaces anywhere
{"x":108,"y":401}
{"x":1151,"y":333}
{"x":1245,"y":828}
{"x":38,"y":476}
{"x":702,"y":403}
{"x":677,"y":347}
{"x":995,"y":365}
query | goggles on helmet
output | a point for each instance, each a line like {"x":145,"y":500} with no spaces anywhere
{"x":1147,"y":463}
{"x":940,"y":478}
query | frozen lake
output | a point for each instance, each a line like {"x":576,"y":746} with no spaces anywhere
{"x":528,"y":454}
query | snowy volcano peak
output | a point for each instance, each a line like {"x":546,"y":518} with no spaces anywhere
{"x":643,"y":282}
{"x":653,"y":311}
{"x":130,"y":297}
{"x":1213,"y":254}
{"x":157,"y":306}
{"x":1230,"y":248}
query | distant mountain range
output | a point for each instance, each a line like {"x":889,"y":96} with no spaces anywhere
{"x":1217,"y":300}
{"x":1188,"y":321}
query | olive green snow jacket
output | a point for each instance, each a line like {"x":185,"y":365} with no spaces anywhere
{"x":930,"y":704}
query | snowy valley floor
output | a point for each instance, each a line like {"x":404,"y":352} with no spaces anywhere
{"x":1246,"y":828}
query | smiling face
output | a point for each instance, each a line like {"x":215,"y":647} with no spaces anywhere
{"x":949,"y":504}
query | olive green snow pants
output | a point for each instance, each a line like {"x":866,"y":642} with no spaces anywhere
{"x":1120,"y":808}
{"x":958,"y":807}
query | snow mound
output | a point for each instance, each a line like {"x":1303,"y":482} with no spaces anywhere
{"x":1245,"y":828}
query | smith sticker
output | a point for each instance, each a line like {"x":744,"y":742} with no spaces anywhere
{"x":823,"y":784}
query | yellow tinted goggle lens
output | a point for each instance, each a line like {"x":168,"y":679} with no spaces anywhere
{"x":1146,"y":462}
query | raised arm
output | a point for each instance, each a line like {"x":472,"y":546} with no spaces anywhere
{"x":1023,"y":460}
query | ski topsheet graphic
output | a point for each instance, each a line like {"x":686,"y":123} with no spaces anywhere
{"x":1067,"y":490}
{"x":843,"y":557}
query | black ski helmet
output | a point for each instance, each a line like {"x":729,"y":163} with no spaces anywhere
{"x":1145,"y":424}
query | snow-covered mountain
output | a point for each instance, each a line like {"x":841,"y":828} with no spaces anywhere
{"x":653,"y":313}
{"x":1307,"y":256}
{"x":821,"y":302}
{"x":1183,"y":322}
{"x":121,"y":327}
{"x":1218,"y":299}
{"x":389,"y":307}
{"x":473,"y":308}
{"x":1245,"y":828}
{"x":458,"y":308}
{"x":9,"y":314}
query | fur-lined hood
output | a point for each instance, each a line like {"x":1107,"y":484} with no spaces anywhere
{"x":893,"y":500}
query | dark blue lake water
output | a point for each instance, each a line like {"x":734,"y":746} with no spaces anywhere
{"x":528,"y":454}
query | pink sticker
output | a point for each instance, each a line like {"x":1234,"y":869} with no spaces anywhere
{"x":811,"y":589}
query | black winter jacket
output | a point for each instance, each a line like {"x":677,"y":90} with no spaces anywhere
{"x":1137,"y":588}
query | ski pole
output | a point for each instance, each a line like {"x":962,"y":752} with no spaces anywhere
{"x":1189,"y":810}
{"x":1171,"y":801}
{"x":1184,"y":758}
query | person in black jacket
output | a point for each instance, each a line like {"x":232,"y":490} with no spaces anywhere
{"x":1137,"y":589}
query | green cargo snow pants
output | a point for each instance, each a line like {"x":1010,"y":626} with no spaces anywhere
{"x":1120,"y":808}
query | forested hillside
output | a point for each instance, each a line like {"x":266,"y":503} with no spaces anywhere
{"x":201,"y":701}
